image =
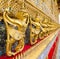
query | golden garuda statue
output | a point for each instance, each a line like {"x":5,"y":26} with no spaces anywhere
{"x":17,"y":20}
